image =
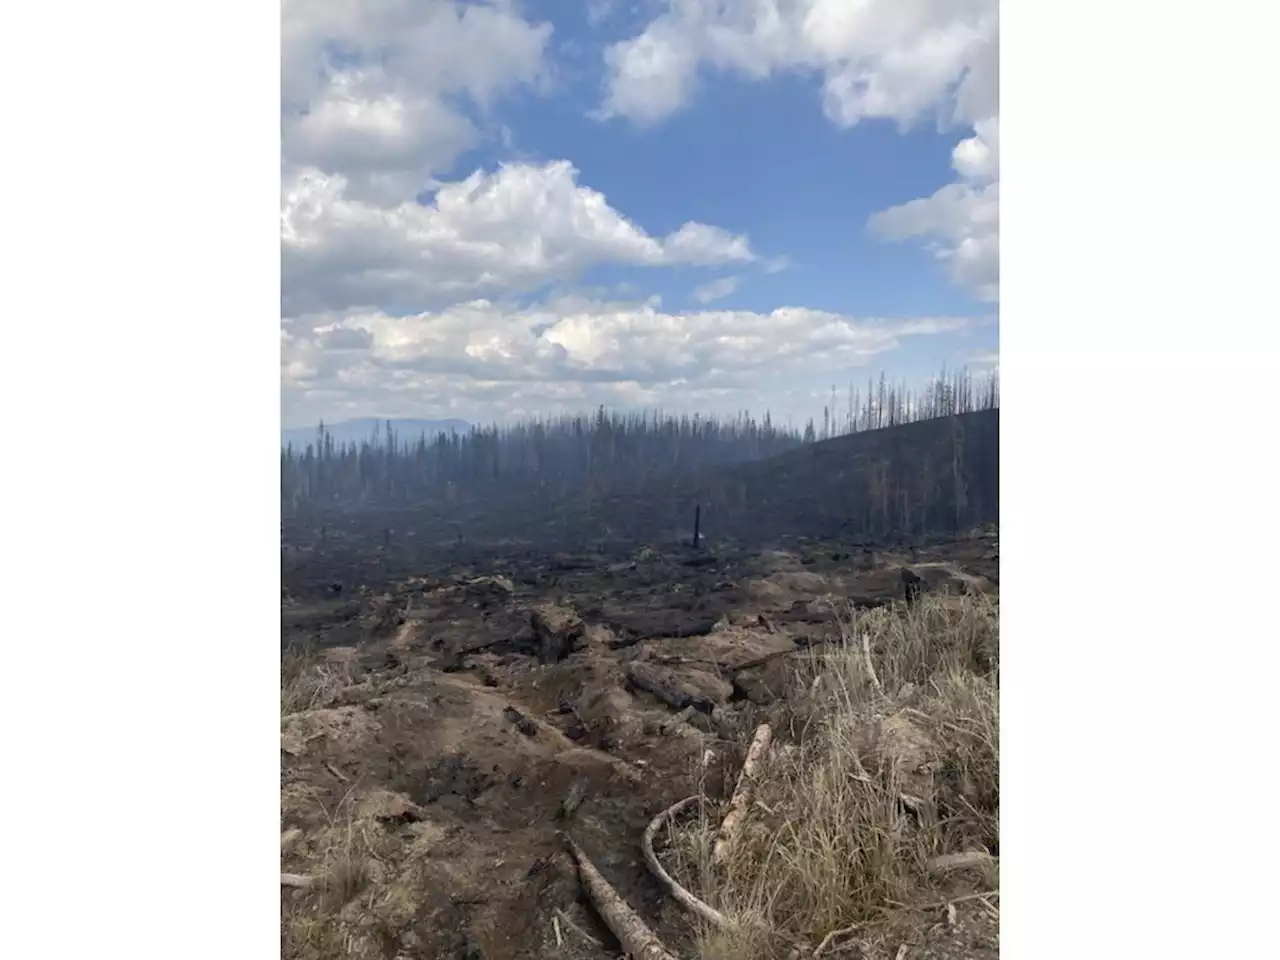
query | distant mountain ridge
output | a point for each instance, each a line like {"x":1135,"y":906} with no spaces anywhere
{"x":407,"y":430}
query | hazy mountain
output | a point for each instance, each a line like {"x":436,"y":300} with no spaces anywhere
{"x":353,"y":431}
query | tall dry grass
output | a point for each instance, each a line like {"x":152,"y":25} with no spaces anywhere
{"x":849,"y":819}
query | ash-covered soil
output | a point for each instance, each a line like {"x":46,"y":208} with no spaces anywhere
{"x":441,"y":735}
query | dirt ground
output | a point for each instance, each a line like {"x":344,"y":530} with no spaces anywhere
{"x":441,"y":736}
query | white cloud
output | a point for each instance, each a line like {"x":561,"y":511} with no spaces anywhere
{"x":651,"y":76}
{"x":893,"y":59}
{"x":716,"y":289}
{"x":705,"y":246}
{"x":482,"y":359}
{"x":879,"y":59}
{"x":515,"y":228}
{"x":375,"y":90}
{"x":961,"y":221}
{"x":380,"y":293}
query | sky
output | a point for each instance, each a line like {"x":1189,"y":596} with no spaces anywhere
{"x":497,"y":209}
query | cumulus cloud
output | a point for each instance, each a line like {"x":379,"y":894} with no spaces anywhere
{"x":895,"y":60}
{"x":379,"y":91}
{"x":960,"y":223}
{"x":481,"y":355}
{"x":891,"y":59}
{"x":392,"y":304}
{"x":514,"y":228}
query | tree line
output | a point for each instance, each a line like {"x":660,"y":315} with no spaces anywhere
{"x":603,"y":454}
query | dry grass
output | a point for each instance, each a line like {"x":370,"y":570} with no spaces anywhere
{"x":307,"y":682}
{"x":875,"y":786}
{"x":328,"y":920}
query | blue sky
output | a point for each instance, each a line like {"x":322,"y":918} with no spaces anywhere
{"x":486,"y":205}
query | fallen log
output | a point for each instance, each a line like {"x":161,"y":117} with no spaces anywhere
{"x":634,"y":628}
{"x":637,"y":940}
{"x":663,"y":685}
{"x":741,"y":795}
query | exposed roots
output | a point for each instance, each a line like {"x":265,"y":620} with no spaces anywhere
{"x":677,"y":892}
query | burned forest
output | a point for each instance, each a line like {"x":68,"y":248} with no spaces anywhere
{"x":895,"y":465}
{"x":646,"y":685}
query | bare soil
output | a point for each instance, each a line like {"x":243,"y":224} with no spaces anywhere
{"x":441,"y":734}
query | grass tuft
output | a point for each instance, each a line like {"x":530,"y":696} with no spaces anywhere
{"x":309,"y":683}
{"x":848,"y":818}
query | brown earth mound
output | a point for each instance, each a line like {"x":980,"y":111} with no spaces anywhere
{"x":440,"y":739}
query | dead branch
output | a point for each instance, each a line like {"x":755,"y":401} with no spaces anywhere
{"x":976,"y":859}
{"x":632,"y":932}
{"x":297,"y":880}
{"x":968,"y":896}
{"x":826,"y":941}
{"x":871,"y":670}
{"x":677,"y":892}
{"x":564,"y":917}
{"x":741,"y":795}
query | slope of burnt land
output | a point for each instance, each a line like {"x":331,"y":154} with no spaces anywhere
{"x":441,"y":736}
{"x":933,"y":476}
